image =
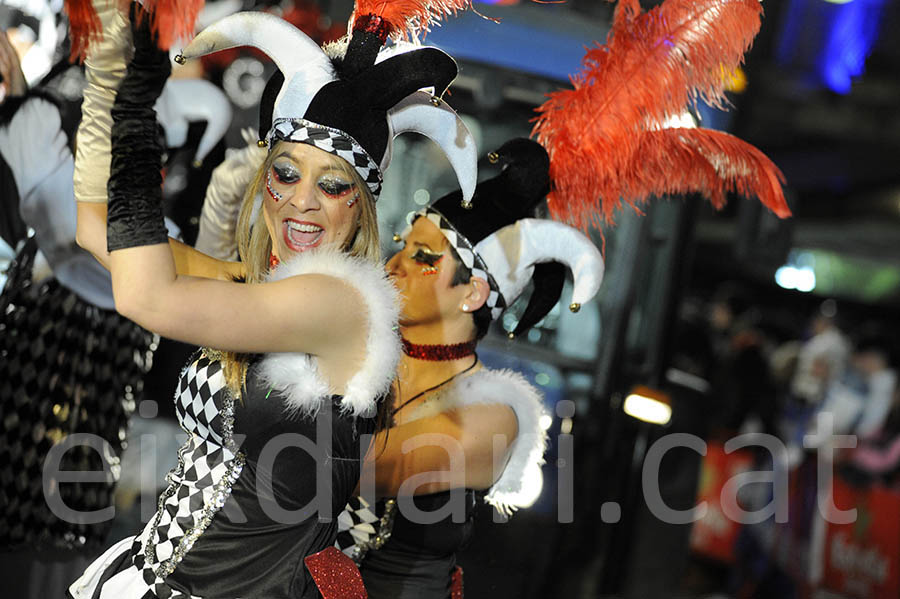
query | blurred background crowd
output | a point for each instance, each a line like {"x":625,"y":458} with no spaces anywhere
{"x":736,"y":322}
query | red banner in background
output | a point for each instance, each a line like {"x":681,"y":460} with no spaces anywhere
{"x":713,"y":536}
{"x":862,"y":559}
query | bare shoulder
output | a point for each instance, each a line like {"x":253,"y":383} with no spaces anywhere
{"x":493,"y":418}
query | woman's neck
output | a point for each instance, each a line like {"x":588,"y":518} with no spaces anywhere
{"x":416,"y":374}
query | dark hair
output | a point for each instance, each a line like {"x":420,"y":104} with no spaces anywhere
{"x":482,"y":316}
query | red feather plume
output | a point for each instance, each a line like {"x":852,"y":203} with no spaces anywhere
{"x":605,"y":136}
{"x":409,"y":18}
{"x":84,"y":27}
{"x":170,"y":20}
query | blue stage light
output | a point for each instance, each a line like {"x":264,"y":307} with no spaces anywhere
{"x":829,"y":40}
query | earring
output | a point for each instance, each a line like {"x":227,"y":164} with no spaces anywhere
{"x":465,"y":307}
{"x":275,"y":195}
{"x":273,"y":260}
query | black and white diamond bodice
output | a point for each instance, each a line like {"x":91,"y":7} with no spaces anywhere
{"x":235,"y":501}
{"x":208,"y":464}
{"x":199,"y":400}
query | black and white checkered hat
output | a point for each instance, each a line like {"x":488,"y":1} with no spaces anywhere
{"x":332,"y":141}
{"x":473,"y":261}
{"x":342,"y":104}
{"x":498,"y":241}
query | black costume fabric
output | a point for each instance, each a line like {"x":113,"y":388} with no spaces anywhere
{"x":135,"y":212}
{"x":12,"y":227}
{"x":228,"y":524}
{"x":419,"y":559}
{"x":399,"y":556}
{"x":66,"y":368}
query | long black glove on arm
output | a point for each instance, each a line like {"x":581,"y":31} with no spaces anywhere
{"x":135,"y":214}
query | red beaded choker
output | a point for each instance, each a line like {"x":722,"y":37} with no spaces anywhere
{"x":436,"y":353}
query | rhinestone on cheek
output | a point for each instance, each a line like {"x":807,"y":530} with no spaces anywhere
{"x":275,"y":195}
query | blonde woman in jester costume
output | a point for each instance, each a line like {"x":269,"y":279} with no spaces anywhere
{"x":608,"y":140}
{"x":305,"y":342}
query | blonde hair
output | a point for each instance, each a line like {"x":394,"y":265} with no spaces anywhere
{"x":255,"y":246}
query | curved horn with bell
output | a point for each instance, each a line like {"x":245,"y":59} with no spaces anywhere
{"x":511,"y":252}
{"x":306,"y":67}
{"x":418,"y":113}
{"x":549,"y":279}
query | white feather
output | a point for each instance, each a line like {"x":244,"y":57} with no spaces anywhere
{"x":295,"y":375}
{"x":508,"y":388}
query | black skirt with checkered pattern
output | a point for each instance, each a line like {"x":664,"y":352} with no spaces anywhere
{"x":70,"y":376}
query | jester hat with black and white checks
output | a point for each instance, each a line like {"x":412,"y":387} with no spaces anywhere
{"x":351,"y":105}
{"x":499,"y":240}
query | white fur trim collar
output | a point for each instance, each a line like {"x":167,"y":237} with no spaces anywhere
{"x":295,"y":375}
{"x":508,"y":388}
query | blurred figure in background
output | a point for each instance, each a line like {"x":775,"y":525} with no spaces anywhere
{"x":860,"y":399}
{"x":741,"y":381}
{"x":822,"y":358}
{"x":31,"y":26}
{"x":69,"y":363}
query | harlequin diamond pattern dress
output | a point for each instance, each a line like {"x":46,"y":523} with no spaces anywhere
{"x":245,"y":504}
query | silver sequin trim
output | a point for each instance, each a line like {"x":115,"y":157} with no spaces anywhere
{"x":377,"y":541}
{"x":221,"y":492}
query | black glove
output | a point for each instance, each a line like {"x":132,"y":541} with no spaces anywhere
{"x":135,"y":214}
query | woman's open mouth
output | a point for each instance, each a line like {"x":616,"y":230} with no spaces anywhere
{"x":301,"y":236}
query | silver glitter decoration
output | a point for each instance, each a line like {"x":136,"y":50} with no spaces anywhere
{"x":220,"y":493}
{"x":376,"y":542}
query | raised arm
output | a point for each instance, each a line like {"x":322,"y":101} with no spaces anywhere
{"x":314,"y":314}
{"x":104,"y":68}
{"x":91,"y":235}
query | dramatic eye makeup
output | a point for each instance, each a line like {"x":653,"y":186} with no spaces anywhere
{"x":335,"y":186}
{"x":427,"y":257}
{"x":285,"y":172}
